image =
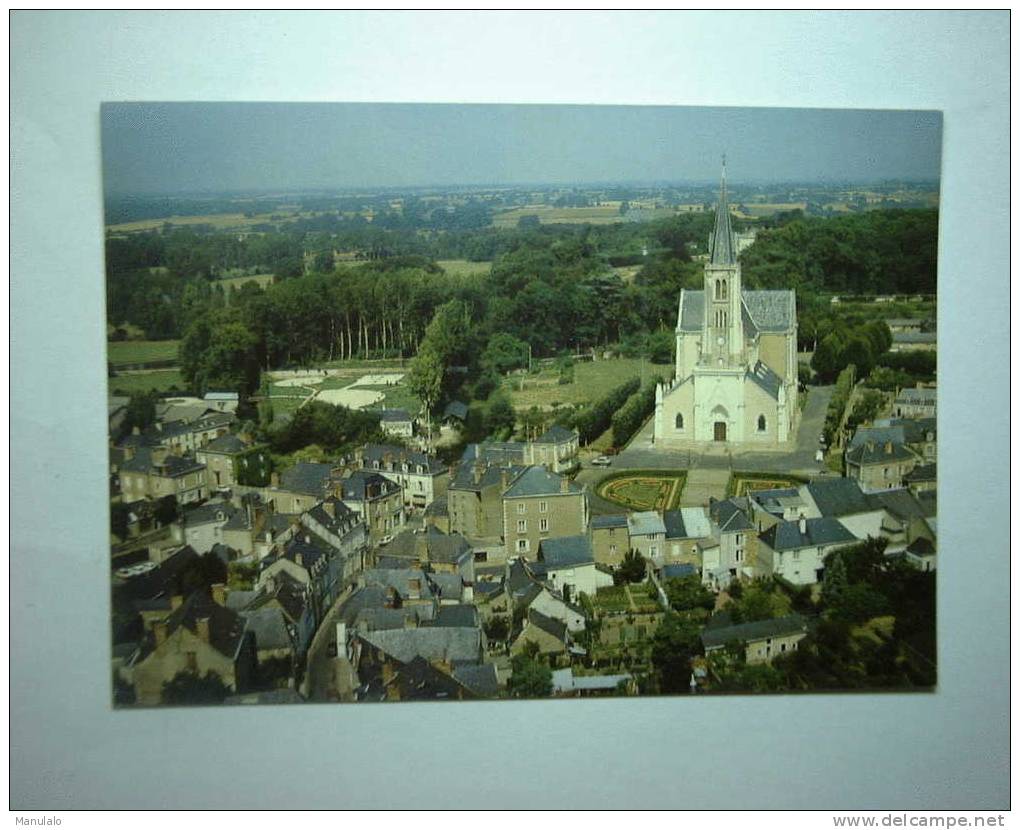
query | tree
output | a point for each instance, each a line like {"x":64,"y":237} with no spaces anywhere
{"x":760,"y":600}
{"x":501,"y":417}
{"x":191,"y":689}
{"x":426,"y":381}
{"x":530,"y":678}
{"x":504,"y":352}
{"x":140,"y":412}
{"x":633,"y":568}
{"x":497,"y":628}
{"x":834,"y":584}
{"x":686,"y":593}
{"x":676,"y":641}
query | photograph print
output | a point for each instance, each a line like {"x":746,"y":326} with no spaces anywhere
{"x":416,"y":402}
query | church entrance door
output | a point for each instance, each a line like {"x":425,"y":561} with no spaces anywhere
{"x":720,"y":430}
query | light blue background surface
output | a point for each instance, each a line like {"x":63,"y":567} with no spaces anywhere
{"x":68,"y":749}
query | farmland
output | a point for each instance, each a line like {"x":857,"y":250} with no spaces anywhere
{"x":137,"y":382}
{"x":605,"y":214}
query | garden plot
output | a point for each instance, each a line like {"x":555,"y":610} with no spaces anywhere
{"x":350,"y":397}
{"x":379,"y":380}
{"x":300,"y":380}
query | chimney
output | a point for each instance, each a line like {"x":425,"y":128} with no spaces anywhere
{"x":564,"y":484}
{"x":159,"y":629}
{"x":802,"y":523}
{"x":414,"y":588}
{"x":274,"y":479}
{"x":202,"y":629}
{"x":888,"y":447}
{"x":159,"y":455}
{"x":176,"y":601}
{"x":129,"y":453}
{"x":219,"y":593}
{"x":476,"y":472}
{"x":504,"y":478}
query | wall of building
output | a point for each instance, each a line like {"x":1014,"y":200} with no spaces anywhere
{"x":565,"y":514}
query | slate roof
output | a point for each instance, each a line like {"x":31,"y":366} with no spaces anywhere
{"x":456,"y":409}
{"x":214,"y":511}
{"x":722,"y":246}
{"x":776,"y":499}
{"x":556,"y":628}
{"x":399,"y":581}
{"x":365,"y":484}
{"x":229,"y":444}
{"x":760,"y":630}
{"x":269,"y":627}
{"x":766,"y":379}
{"x":480,"y":679}
{"x":566,"y":552}
{"x":729,"y":516}
{"x":556,"y":435}
{"x":769,"y":311}
{"x":495,"y":452}
{"x":901,"y":503}
{"x":226,"y":627}
{"x":449,"y":586}
{"x":917,"y":396}
{"x":871,"y":453}
{"x":306,"y":477}
{"x":838,"y":497}
{"x":173,"y":466}
{"x":678,"y":571}
{"x":878,"y":435}
{"x":456,"y":645}
{"x":439,"y":507}
{"x":673,"y":521}
{"x":915,"y":430}
{"x":491,"y":476}
{"x":921,"y":547}
{"x":414,"y":458}
{"x":538,"y":481}
{"x":696,"y":522}
{"x":922,"y":472}
{"x":645,"y":523}
{"x":456,"y":616}
{"x":418,"y":680}
{"x":519,"y":576}
{"x":395,"y":416}
{"x":564,"y":680}
{"x":823,"y":531}
{"x":160,"y":581}
{"x":610,"y":520}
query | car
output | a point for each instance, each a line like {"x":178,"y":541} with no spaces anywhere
{"x":602,"y":461}
{"x":385,"y":540}
{"x":820,"y":457}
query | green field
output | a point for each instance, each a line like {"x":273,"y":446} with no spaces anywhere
{"x":123,"y":352}
{"x":136,"y":382}
{"x":592,"y":381}
{"x":464,"y":267}
{"x":606,"y":214}
{"x":643,"y":489}
{"x":219,"y":221}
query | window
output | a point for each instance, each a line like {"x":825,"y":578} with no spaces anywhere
{"x":761,"y":423}
{"x":679,"y":421}
{"x":612,"y":548}
{"x":522,"y":525}
{"x":796,"y":555}
{"x":739,"y":557}
{"x":740,"y":538}
{"x":522,"y":545}
{"x":543,"y":507}
{"x":543,"y":525}
{"x":521,"y":507}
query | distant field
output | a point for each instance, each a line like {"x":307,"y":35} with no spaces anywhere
{"x":236,"y":282}
{"x":136,"y":382}
{"x":591,"y":382}
{"x":606,"y":214}
{"x":220,"y":221}
{"x":124,"y":352}
{"x":464,"y":266}
{"x":768,"y":209}
{"x":344,"y":374}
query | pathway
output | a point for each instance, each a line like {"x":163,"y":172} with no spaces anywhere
{"x":704,"y":483}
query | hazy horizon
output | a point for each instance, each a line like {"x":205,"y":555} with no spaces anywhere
{"x":178,"y":149}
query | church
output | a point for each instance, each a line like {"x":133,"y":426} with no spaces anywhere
{"x":735,"y":383}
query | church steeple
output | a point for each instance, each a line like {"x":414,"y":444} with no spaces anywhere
{"x":724,"y":249}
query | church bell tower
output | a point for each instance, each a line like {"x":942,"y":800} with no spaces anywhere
{"x":722,"y":339}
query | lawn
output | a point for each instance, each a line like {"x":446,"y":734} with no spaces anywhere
{"x":592,"y":381}
{"x":605,"y":214}
{"x":122,"y":352}
{"x":740,"y":484}
{"x":137,"y":382}
{"x":643,"y":489}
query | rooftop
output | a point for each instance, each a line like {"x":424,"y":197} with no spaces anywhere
{"x":759,"y":630}
{"x":566,"y":552}
{"x":538,"y":481}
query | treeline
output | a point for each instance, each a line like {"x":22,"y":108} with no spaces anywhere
{"x":844,"y":345}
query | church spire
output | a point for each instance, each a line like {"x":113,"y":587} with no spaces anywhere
{"x":723,"y":247}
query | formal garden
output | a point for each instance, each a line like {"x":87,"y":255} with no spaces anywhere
{"x":644,"y":489}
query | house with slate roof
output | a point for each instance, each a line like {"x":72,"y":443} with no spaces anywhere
{"x":879,"y":466}
{"x":539,"y":504}
{"x":921,"y":479}
{"x":919,"y":402}
{"x":555,"y":449}
{"x":201,"y":526}
{"x":730,"y":551}
{"x":610,"y":538}
{"x":301,"y":486}
{"x":735,"y":381}
{"x":647,"y":533}
{"x":284,"y":593}
{"x":913,"y":341}
{"x":551,"y":636}
{"x":796,"y":550}
{"x":186,"y":436}
{"x":422,"y":477}
{"x":570,"y":567}
{"x":684,"y":529}
{"x":377,"y":500}
{"x":198,"y":636}
{"x":397,"y":422}
{"x":761,"y":640}
{"x":232,"y":460}
{"x":153,"y":472}
{"x":475,"y":498}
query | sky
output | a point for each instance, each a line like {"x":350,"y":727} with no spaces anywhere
{"x":167,"y":148}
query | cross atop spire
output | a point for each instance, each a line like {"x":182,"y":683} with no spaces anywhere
{"x":723,"y":247}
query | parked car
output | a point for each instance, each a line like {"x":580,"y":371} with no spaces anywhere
{"x":602,"y":461}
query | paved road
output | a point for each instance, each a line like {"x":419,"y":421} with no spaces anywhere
{"x":640,"y":454}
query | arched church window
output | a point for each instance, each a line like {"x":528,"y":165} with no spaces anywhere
{"x":723,"y":285}
{"x":718,"y":289}
{"x":761,"y":423}
{"x":679,"y":421}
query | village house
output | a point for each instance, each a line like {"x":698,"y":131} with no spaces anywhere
{"x":879,"y":466}
{"x":221,"y":401}
{"x":201,"y":526}
{"x":230,"y":460}
{"x":255,"y":528}
{"x":284,"y":593}
{"x":761,"y":640}
{"x":539,"y":505}
{"x":397,"y":422}
{"x":567,"y":684}
{"x":422,"y":477}
{"x":796,"y":550}
{"x":153,"y":472}
{"x":377,"y":500}
{"x":551,"y":637}
{"x":647,"y":534}
{"x":919,"y":402}
{"x":197,"y":637}
{"x":922,"y":479}
{"x":610,"y":538}
{"x":311,"y":562}
{"x":184,"y":436}
{"x":442,"y":552}
{"x":684,"y":529}
{"x":729,"y":552}
{"x":475,"y":499}
{"x":300,"y":487}
{"x":913,"y":341}
{"x":555,"y":449}
{"x":568,"y":564}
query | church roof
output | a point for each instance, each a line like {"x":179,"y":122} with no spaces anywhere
{"x":768,"y":380}
{"x":723,"y":247}
{"x":766,"y":311}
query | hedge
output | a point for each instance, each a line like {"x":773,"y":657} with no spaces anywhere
{"x":634,"y":412}
{"x":590,"y":423}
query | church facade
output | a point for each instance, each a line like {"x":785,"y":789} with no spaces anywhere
{"x":735,"y":382}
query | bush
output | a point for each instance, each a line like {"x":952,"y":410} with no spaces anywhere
{"x":632,"y":415}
